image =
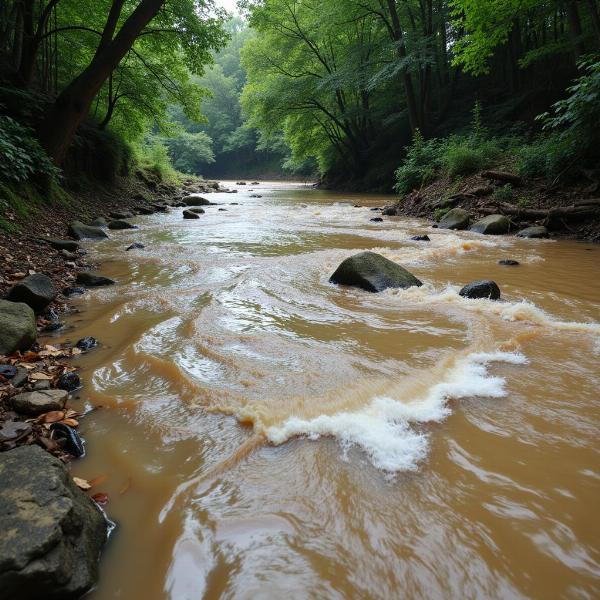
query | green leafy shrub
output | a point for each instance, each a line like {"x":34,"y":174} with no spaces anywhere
{"x":504,"y":193}
{"x":545,"y":157}
{"x":21,"y":156}
{"x":153,"y":156}
{"x":466,"y":155}
{"x":423,"y":160}
{"x":438,"y":213}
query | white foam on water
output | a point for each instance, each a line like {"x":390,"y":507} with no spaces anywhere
{"x":385,"y":428}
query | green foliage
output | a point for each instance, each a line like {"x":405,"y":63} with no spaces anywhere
{"x":577,"y":117}
{"x":21,"y":156}
{"x":438,"y":213}
{"x":547,"y":156}
{"x":153,"y":155}
{"x":504,"y":193}
{"x":466,"y":155}
{"x":190,"y":152}
{"x":423,"y":160}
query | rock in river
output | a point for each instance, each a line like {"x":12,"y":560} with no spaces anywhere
{"x":492,"y":225}
{"x":484,"y":288}
{"x":80,"y":231}
{"x":457,"y":218}
{"x":52,"y":533}
{"x":91,"y":280}
{"x":17,"y":327}
{"x":135,"y":246}
{"x":508,"y":262}
{"x":373,"y":272}
{"x":420,"y":238}
{"x":195,"y":200}
{"x":376,"y":219}
{"x":99,"y":222}
{"x":118,"y":224}
{"x":36,"y":291}
{"x":86,"y":343}
{"x":188,"y":214}
{"x":69,"y":381}
{"x":36,"y":403}
{"x":533,"y":232}
{"x":57,"y":244}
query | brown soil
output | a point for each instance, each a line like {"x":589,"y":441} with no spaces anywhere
{"x":482,"y":196}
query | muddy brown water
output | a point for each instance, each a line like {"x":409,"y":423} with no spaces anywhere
{"x":262,"y":433}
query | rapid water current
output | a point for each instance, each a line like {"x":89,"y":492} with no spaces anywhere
{"x":262,"y":433}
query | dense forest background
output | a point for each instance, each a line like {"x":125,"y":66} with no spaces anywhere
{"x":363,"y":94}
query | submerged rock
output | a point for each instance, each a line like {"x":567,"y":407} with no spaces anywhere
{"x":420,"y":238}
{"x":52,"y":533}
{"x":484,"y":288}
{"x":86,"y":343}
{"x":69,"y":381}
{"x":456,"y":218}
{"x":38,"y":402}
{"x":80,"y":231}
{"x":17,"y":326}
{"x":533,"y":232}
{"x":188,"y":214}
{"x":195,"y":200}
{"x":135,"y":246}
{"x":68,"y":438}
{"x":508,"y":262}
{"x":373,"y":272}
{"x":492,"y":225}
{"x":376,"y":219}
{"x":92,"y":280}
{"x":73,"y":291}
{"x":36,"y":291}
{"x":118,"y":224}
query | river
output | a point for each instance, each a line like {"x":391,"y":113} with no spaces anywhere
{"x":262,"y":433}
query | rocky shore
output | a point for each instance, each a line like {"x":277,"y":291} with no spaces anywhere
{"x":572,"y":213}
{"x":53,"y":525}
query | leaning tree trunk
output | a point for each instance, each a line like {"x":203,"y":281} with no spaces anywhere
{"x":73,"y":104}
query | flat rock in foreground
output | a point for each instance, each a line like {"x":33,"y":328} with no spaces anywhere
{"x":373,"y":272}
{"x":17,"y":327}
{"x":52,"y":533}
{"x":39,"y":402}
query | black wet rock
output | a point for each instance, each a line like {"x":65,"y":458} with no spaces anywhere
{"x":222,"y":209}
{"x":119,"y":224}
{"x":144,"y":210}
{"x":68,"y":438}
{"x":135,"y":246}
{"x":69,"y":381}
{"x":377,"y":208}
{"x":373,"y":272}
{"x":120,"y":215}
{"x":52,"y":533}
{"x":54,"y":326}
{"x":92,"y":280}
{"x":86,"y":343}
{"x":483,"y":288}
{"x":198,"y":210}
{"x":420,"y":238}
{"x":37,"y":291}
{"x":508,"y":262}
{"x":188,"y":214}
{"x":376,"y":219}
{"x":73,"y":291}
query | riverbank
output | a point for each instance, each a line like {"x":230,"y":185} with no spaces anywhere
{"x":567,"y":212}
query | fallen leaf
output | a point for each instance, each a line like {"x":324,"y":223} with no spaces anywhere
{"x":100,"y":498}
{"x":70,"y":422}
{"x":40,"y":376}
{"x":51,"y":417}
{"x":71,"y":413}
{"x":82,"y":484}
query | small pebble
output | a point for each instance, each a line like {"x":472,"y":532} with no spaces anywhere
{"x":507,"y":262}
{"x":86,"y":343}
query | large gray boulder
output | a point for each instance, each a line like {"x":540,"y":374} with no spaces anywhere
{"x":80,"y":231}
{"x":456,"y":218}
{"x":39,"y":402}
{"x":52,"y":533}
{"x":373,"y":272}
{"x":533,"y":232}
{"x":195,"y":200}
{"x":492,"y":225}
{"x":35,"y":290}
{"x":188,"y":214}
{"x":17,"y":327}
{"x":120,"y":224}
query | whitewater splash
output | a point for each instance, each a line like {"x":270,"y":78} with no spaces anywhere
{"x":385,"y":429}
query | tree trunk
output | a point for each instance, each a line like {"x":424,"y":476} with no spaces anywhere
{"x":593,"y":6}
{"x":575,"y":27}
{"x":73,"y":104}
